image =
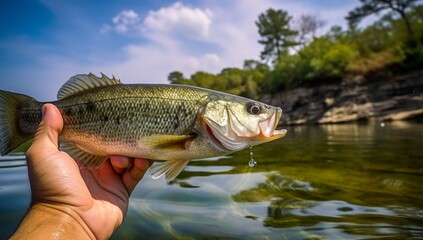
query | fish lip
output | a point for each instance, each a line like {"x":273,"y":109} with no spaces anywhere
{"x":279,"y":119}
{"x":268,"y":126}
{"x":279,"y":132}
{"x":275,"y":133}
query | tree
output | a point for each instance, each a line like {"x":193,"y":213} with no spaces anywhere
{"x":203,"y":79}
{"x":370,"y":7}
{"x":175,"y":77}
{"x":250,"y":65}
{"x":234,"y":78}
{"x":307,"y":26}
{"x":283,"y":76}
{"x":276,"y":34}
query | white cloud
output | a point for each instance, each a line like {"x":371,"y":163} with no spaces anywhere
{"x":105,"y":29}
{"x":125,"y":20}
{"x":170,"y":29}
{"x":151,"y":64}
{"x":208,"y":36}
{"x":179,"y":20}
{"x":126,"y":17}
{"x":226,"y":34}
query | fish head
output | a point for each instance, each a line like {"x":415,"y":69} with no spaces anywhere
{"x":233,"y":125}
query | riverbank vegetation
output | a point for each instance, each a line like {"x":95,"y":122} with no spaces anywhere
{"x":295,"y":55}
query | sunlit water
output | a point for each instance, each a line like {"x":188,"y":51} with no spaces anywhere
{"x":352,"y":181}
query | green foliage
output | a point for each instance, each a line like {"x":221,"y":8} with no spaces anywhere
{"x":284,"y":75}
{"x":251,"y":65}
{"x":324,"y":58}
{"x":375,"y":38}
{"x":276,"y":34}
{"x":388,"y":42}
{"x":175,"y":77}
{"x":245,"y":82}
{"x":384,"y":43}
{"x":384,"y":46}
{"x":370,"y":7}
{"x":376,"y":61}
{"x":203,"y":79}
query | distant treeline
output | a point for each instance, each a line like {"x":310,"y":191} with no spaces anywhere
{"x":293,"y":55}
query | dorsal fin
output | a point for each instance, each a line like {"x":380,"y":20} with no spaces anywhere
{"x":83,"y":82}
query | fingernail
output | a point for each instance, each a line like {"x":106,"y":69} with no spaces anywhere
{"x":43,"y":111}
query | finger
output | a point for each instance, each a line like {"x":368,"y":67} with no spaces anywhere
{"x":46,"y":137}
{"x":120,"y":163}
{"x":135,"y":173}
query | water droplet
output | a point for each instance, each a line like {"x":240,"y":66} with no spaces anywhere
{"x":252,"y":162}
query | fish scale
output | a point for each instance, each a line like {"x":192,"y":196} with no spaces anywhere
{"x":126,"y":119}
{"x":132,"y":113}
{"x":174,"y":123}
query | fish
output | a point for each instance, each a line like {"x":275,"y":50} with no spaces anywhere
{"x":172,"y":124}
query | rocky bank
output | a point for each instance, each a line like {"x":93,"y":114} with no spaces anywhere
{"x":355,"y":98}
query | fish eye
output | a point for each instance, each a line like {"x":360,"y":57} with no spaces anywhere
{"x":254,"y":109}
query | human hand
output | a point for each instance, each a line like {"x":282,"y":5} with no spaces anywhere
{"x":84,"y":203}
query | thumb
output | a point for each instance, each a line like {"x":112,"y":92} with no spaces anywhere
{"x":46,"y":137}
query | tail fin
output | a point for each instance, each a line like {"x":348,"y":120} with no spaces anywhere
{"x":10,"y":135}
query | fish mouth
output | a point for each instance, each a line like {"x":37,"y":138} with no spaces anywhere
{"x":233,"y":142}
{"x":268,"y":131}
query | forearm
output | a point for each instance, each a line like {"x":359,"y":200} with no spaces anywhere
{"x":47,"y":221}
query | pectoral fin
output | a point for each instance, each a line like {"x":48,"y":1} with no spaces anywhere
{"x":86,"y":159}
{"x":170,"y":169}
{"x":174,"y":142}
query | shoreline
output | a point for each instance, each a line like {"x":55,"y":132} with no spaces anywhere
{"x":355,"y":98}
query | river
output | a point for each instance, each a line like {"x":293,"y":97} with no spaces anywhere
{"x":344,"y":181}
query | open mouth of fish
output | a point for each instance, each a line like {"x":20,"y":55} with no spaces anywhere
{"x":268,"y":132}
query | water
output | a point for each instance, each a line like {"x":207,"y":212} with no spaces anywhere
{"x":351,"y":181}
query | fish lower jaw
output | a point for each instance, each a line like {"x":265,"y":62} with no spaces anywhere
{"x":277,"y":134}
{"x":281,"y":132}
{"x":262,"y":138}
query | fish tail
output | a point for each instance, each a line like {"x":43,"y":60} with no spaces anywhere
{"x":11,"y":135}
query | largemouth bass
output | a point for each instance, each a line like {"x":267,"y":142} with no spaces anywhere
{"x":175,"y":123}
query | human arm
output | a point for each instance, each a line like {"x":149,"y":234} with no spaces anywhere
{"x":69,"y":202}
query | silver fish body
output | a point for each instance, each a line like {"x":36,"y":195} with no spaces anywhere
{"x":175,"y":123}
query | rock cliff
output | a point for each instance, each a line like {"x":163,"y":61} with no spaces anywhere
{"x":355,"y":98}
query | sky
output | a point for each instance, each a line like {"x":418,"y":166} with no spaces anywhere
{"x":44,"y":43}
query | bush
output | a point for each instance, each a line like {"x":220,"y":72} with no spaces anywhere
{"x":284,"y":75}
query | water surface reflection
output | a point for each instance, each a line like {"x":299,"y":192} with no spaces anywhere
{"x":319,"y":182}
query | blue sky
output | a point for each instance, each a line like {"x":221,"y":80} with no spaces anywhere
{"x":44,"y":43}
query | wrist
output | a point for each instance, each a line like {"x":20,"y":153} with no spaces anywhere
{"x":50,"y":221}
